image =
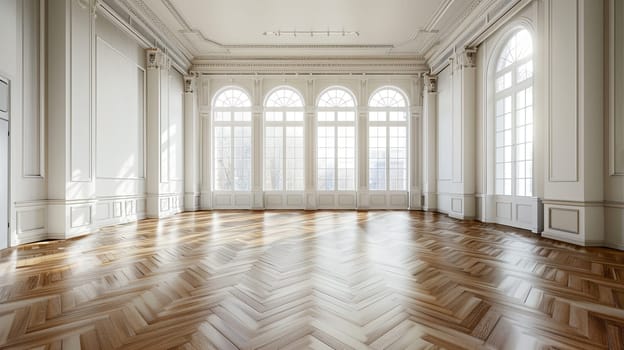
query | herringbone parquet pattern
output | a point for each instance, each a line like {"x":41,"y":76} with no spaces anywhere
{"x":342,"y":280}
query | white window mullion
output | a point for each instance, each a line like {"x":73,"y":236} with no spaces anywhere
{"x":284,"y":158}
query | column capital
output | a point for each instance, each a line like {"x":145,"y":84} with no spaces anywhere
{"x":156,"y":59}
{"x":468,"y":57}
{"x":189,"y":83}
{"x":430,"y":82}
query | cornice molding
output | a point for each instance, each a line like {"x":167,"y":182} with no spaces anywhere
{"x":135,"y":18}
{"x":471,"y":29}
{"x":330,"y":65}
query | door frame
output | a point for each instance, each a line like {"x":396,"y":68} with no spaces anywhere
{"x":8,"y":239}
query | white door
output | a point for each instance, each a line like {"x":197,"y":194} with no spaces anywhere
{"x":4,"y":164}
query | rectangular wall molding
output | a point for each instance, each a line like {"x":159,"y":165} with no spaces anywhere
{"x":563,"y":76}
{"x":564,"y":220}
{"x":80,"y":216}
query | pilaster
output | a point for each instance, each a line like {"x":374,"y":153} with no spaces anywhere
{"x":463,"y":201}
{"x":70,"y":109}
{"x":191,"y":145}
{"x":429,"y":143}
{"x":574,"y":170}
{"x":160,"y":201}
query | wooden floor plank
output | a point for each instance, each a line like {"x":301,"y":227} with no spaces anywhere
{"x":323,"y":279}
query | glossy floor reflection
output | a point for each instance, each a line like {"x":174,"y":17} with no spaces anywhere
{"x":327,"y":279}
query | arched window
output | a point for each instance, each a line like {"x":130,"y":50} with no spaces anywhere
{"x":336,"y":141}
{"x":232,"y":140}
{"x":284,"y":141}
{"x":513,"y":110}
{"x":387,"y":141}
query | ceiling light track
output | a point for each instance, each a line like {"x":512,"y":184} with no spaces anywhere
{"x":311,"y":33}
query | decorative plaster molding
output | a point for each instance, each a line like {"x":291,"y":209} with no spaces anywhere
{"x":468,"y":58}
{"x":431,"y":83}
{"x":351,"y":65}
{"x":156,"y":59}
{"x":137,"y":19}
{"x":479,"y":19}
{"x":189,"y":83}
{"x":188,"y":32}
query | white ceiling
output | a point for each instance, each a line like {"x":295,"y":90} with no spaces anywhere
{"x":209,"y":28}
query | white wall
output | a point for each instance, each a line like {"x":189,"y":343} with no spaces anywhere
{"x":614,"y":130}
{"x":20,"y":40}
{"x":119,"y":124}
{"x":577,"y":55}
{"x":78,"y":121}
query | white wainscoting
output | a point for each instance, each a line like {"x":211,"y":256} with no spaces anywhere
{"x":284,"y":200}
{"x":521,"y":212}
{"x":30,"y":222}
{"x":336,"y":200}
{"x":232,"y":200}
{"x":580,"y":223}
{"x":70,"y":218}
{"x":119,"y":210}
{"x":383,"y":200}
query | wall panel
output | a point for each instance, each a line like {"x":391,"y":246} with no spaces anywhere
{"x":119,"y":115}
{"x":563,"y":92}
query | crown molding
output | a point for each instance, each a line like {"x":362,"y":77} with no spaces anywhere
{"x":135,"y":18}
{"x":306,"y":65}
{"x":478,"y":23}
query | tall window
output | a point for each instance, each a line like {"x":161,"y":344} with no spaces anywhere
{"x":284,"y":141}
{"x":513,"y":87}
{"x":232,"y":141}
{"x":387,"y":141}
{"x":336,"y":141}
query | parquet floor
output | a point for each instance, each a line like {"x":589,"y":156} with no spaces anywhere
{"x":321,"y":280}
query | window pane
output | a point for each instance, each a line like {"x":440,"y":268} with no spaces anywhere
{"x":377,"y":116}
{"x":223,"y":158}
{"x":294,"y":116}
{"x":398,"y":158}
{"x":503,"y":82}
{"x":336,"y":97}
{"x":388,"y":97}
{"x":294,"y":159}
{"x":242,"y":158}
{"x":274,"y":116}
{"x":325,"y":158}
{"x":284,"y":98}
{"x":326,"y":116}
{"x":346,"y":158}
{"x":273,"y":166}
{"x":397,"y":116}
{"x":377,"y":158}
{"x":525,"y":71}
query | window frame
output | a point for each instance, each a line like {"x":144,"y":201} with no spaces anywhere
{"x":511,"y":92}
{"x":231,"y":124}
{"x":335,"y":124}
{"x":387,"y":124}
{"x":283,"y":124}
